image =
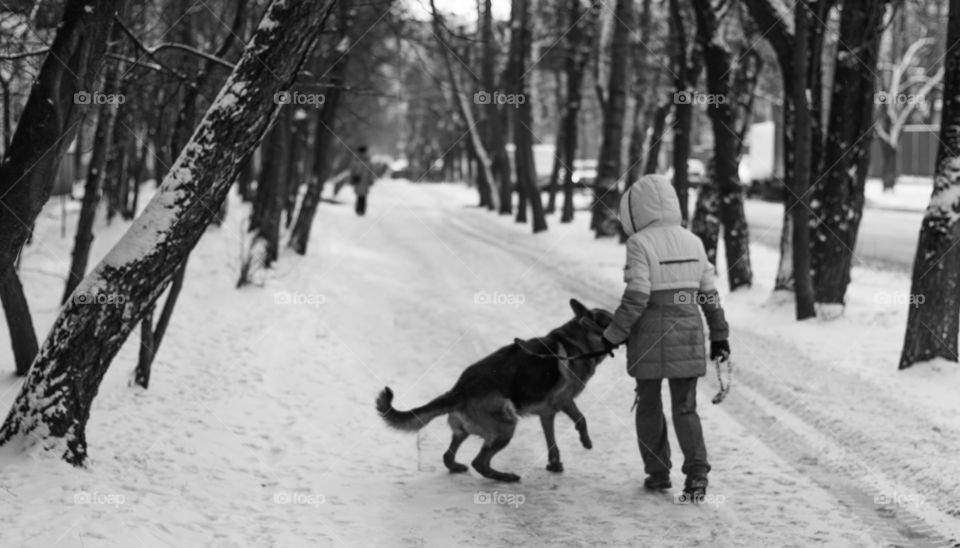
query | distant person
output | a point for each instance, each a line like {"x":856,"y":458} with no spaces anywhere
{"x":361,"y":177}
{"x":668,"y":276}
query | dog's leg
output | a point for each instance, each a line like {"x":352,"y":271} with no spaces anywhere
{"x":553,"y":452}
{"x":579,"y":421}
{"x":482,"y":462}
{"x":500,"y":425}
{"x":450,"y":455}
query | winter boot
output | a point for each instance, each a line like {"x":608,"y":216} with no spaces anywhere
{"x":695,"y":488}
{"x":657,"y":481}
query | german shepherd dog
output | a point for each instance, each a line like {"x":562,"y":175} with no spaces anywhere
{"x":539,"y":376}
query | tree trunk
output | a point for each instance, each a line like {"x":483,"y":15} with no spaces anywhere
{"x":838,"y":193}
{"x":53,"y":405}
{"x":932,"y":320}
{"x":890,"y":169}
{"x":150,"y":336}
{"x":554,"y":185}
{"x":656,"y":138}
{"x":725,"y":119}
{"x":798,"y":201}
{"x":706,"y":219}
{"x":47,"y":125}
{"x":527,"y":186}
{"x":466,"y":113}
{"x":604,"y":220}
{"x":23,"y":338}
{"x":323,"y":139}
{"x":579,"y":40}
{"x":102,"y":139}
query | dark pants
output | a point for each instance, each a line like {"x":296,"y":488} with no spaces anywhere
{"x":361,"y":204}
{"x":652,"y":427}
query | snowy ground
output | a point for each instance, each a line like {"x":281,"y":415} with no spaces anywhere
{"x":259,"y":428}
{"x":909,"y":194}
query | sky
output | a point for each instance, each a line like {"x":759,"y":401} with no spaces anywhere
{"x":462,"y":8}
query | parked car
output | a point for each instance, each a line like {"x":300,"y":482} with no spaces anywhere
{"x":696,"y":172}
{"x":584,"y":173}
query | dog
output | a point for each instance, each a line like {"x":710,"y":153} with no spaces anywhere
{"x":539,"y":376}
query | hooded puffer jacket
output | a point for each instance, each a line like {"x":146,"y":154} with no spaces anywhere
{"x":669,"y":280}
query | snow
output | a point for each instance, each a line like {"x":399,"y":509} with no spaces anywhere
{"x":259,"y":429}
{"x":909,"y":194}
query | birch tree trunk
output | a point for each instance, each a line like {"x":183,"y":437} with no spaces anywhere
{"x":932,"y":321}
{"x":53,"y":405}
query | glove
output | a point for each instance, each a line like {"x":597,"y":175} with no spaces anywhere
{"x":609,"y":346}
{"x":719,"y":349}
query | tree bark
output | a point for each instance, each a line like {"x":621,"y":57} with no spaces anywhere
{"x":53,"y":405}
{"x":725,"y":119}
{"x":47,"y":125}
{"x":527,"y":186}
{"x":579,"y":38}
{"x":932,"y":319}
{"x":102,"y":139}
{"x":838,"y":193}
{"x":798,"y":200}
{"x":656,"y":137}
{"x":19,"y":321}
{"x":604,"y":219}
{"x":686,"y":73}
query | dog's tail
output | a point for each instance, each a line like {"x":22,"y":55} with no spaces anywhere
{"x":414,"y":419}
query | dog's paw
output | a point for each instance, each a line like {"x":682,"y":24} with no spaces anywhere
{"x":555,"y":466}
{"x":457,"y":468}
{"x":507,"y":477}
{"x":585,"y":440}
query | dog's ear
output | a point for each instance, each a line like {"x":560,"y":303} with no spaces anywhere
{"x":578,"y":308}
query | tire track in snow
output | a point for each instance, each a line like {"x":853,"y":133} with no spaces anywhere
{"x":852,"y":452}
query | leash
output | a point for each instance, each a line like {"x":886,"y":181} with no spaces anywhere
{"x":517,"y":341}
{"x":724,"y":388}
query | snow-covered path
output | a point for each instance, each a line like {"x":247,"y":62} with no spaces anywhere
{"x":259,"y":427}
